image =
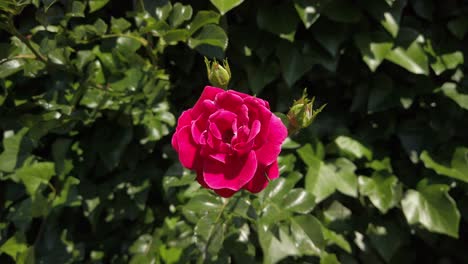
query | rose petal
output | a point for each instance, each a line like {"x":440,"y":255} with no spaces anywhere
{"x":234,"y":174}
{"x":217,"y":145}
{"x":261,"y":113}
{"x":228,"y":101}
{"x":242,"y":115}
{"x":215,"y":131}
{"x":209,"y":93}
{"x":188,"y":150}
{"x":254,"y":130}
{"x":223,"y":120}
{"x":221,"y":157}
{"x":277,"y":133}
{"x":197,"y":129}
{"x":226,"y":193}
{"x":209,"y":107}
{"x":242,"y":95}
{"x":174,"y":142}
{"x":260,"y":180}
{"x":200,"y":179}
{"x":185,"y":119}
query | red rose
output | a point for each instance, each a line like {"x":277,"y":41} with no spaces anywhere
{"x":231,"y":139}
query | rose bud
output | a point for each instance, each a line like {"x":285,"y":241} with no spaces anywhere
{"x":218,"y":75}
{"x":302,"y":113}
{"x":231,"y":139}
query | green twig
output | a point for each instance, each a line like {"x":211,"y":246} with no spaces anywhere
{"x":26,"y":41}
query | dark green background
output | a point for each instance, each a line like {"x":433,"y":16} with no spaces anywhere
{"x":89,"y":96}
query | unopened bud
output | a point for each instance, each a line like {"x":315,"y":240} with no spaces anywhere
{"x":302,"y":113}
{"x":218,"y":75}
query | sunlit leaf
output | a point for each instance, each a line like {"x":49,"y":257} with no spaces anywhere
{"x":432,"y":207}
{"x":209,"y":35}
{"x":384,"y":191}
{"x":225,"y":5}
{"x":458,"y":167}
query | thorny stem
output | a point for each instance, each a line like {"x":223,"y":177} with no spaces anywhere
{"x":218,"y":217}
{"x":20,"y":56}
{"x":140,"y":6}
{"x":16,"y":33}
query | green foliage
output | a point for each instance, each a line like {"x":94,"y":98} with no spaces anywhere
{"x":89,"y":95}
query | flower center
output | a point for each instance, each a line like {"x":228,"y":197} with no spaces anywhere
{"x":227,"y":136}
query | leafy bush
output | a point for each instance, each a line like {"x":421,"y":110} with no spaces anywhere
{"x":90,"y":92}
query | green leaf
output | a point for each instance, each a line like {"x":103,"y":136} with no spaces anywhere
{"x":130,"y":82}
{"x":353,"y":148}
{"x":261,"y":75}
{"x":334,"y":238}
{"x":318,"y":180}
{"x":27,"y":257}
{"x":444,"y":60}
{"x":330,"y":35}
{"x":172,"y":37}
{"x":412,"y":58}
{"x":180,"y":14}
{"x":15,"y":245}
{"x":225,"y":5}
{"x":432,"y":207}
{"x":119,"y":25}
{"x":323,"y":179}
{"x":388,"y":15}
{"x":69,"y":194}
{"x":382,"y":95}
{"x":276,"y":247}
{"x":450,"y":90}
{"x":35,"y":174}
{"x":113,"y":144}
{"x":48,"y":3}
{"x":209,"y":35}
{"x":457,"y":169}
{"x":387,"y":238}
{"x":374,"y":48}
{"x":307,"y":233}
{"x":77,"y":9}
{"x":10,"y":67}
{"x":127,"y":45}
{"x":308,"y":11}
{"x":100,"y":26}
{"x":201,"y":19}
{"x":59,"y":56}
{"x":211,"y":233}
{"x":276,"y":190}
{"x":329,"y":259}
{"x":299,"y":201}
{"x":294,"y":63}
{"x":95,"y":5}
{"x":170,"y":255}
{"x":14,"y":150}
{"x":83,"y":57}
{"x":342,"y":11}
{"x":284,"y":26}
{"x":447,"y":61}
{"x":162,"y":9}
{"x":423,"y":8}
{"x":336,"y":212}
{"x":201,"y":203}
{"x":142,"y":245}
{"x":458,"y":26}
{"x":309,"y":152}
{"x":286,"y":163}
{"x":384,"y":191}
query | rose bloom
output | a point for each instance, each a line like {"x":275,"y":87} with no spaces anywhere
{"x":231,"y":139}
